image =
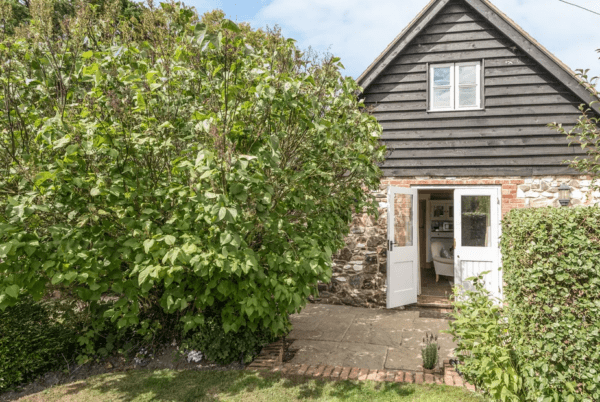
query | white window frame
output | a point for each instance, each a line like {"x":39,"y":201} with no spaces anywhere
{"x":454,"y":86}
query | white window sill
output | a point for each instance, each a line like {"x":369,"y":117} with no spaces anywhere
{"x":455,"y":110}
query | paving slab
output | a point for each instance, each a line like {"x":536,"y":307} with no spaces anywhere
{"x":334,"y":330}
{"x":357,"y":333}
{"x":305,"y":334}
{"x":403,"y":359}
{"x":359,"y":355}
{"x":367,"y":338}
{"x":311,"y":352}
{"x":385,"y":337}
{"x":387,"y":321}
{"x":430,"y":325}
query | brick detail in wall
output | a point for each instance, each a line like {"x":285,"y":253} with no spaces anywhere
{"x":359,"y":269}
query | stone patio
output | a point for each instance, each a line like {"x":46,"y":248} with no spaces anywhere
{"x":373,"y":339}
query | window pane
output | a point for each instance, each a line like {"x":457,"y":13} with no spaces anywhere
{"x":475,"y":221}
{"x":441,"y":97}
{"x":441,"y":76}
{"x":467,"y":96}
{"x":403,"y":220}
{"x":467,"y":75}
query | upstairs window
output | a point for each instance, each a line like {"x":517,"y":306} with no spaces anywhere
{"x":455,"y":86}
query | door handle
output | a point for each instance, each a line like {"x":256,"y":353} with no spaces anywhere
{"x":455,"y":242}
{"x":390,"y":245}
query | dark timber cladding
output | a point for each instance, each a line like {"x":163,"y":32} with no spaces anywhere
{"x":509,"y":137}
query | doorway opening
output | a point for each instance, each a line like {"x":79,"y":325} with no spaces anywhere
{"x":436,"y":246}
{"x":439,"y":237}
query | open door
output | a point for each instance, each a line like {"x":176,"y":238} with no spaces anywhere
{"x":403,"y":251}
{"x":476,"y":231}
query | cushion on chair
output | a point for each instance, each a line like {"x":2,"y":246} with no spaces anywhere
{"x":445,"y":254}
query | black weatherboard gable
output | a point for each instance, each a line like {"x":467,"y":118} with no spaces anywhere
{"x":501,"y":22}
{"x":524,"y":87}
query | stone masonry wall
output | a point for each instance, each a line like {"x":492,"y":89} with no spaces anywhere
{"x":359,"y":269}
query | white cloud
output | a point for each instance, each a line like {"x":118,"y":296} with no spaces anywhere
{"x":358,"y":30}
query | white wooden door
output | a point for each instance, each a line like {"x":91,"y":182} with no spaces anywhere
{"x":476,"y":235}
{"x":403,"y":251}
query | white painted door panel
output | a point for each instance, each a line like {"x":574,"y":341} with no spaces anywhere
{"x":476,"y":230}
{"x":403,"y":251}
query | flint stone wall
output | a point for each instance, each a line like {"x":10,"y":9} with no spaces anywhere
{"x":359,"y":269}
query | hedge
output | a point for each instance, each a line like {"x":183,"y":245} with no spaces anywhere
{"x":32,"y":343}
{"x":551,"y":263}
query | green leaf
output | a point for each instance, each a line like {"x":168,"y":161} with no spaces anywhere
{"x":148,"y":245}
{"x":222,"y":213}
{"x":225,"y":238}
{"x":230,"y":25}
{"x":40,"y":178}
{"x":87,"y":55}
{"x":95,"y":191}
{"x":57,"y":278}
{"x":140,"y":100}
{"x":170,"y":240}
{"x":144,"y":275}
{"x":5,"y":249}
{"x":12,"y":291}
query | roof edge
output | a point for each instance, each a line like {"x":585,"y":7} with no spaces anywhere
{"x":364,"y":77}
{"x":582,"y":83}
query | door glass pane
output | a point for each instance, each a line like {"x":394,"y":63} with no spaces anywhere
{"x":467,"y":75}
{"x":476,"y":221}
{"x":441,"y":76}
{"x":441,"y":97}
{"x":403,"y":220}
{"x":467,"y":96}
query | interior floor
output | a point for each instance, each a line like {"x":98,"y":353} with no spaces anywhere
{"x":436,"y":216}
{"x":429,"y":287}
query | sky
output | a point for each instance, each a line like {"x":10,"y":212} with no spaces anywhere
{"x":358,"y":31}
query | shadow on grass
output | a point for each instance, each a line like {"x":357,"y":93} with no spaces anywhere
{"x":183,"y":386}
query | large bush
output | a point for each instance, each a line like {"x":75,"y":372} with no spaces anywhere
{"x":551,"y":260}
{"x":174,"y":164}
{"x":487,"y":358}
{"x":541,"y":343}
{"x":32,"y":342}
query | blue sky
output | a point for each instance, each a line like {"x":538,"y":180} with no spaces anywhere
{"x":359,"y":30}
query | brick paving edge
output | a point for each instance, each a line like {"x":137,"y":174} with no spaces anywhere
{"x":271,"y":359}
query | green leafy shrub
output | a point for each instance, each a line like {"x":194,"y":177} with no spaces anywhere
{"x":32,"y":343}
{"x":430,"y":352}
{"x":551,"y":259}
{"x":227,"y":347}
{"x":159,"y":169}
{"x":484,"y":345}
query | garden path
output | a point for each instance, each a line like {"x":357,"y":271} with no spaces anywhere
{"x":359,"y":337}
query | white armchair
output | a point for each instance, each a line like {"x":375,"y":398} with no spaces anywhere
{"x":443,"y":266}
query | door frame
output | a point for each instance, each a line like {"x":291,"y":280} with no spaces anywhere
{"x":497,"y":187}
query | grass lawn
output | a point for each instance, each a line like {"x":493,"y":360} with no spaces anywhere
{"x":179,"y":386}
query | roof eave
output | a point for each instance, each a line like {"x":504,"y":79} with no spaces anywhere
{"x":400,"y":42}
{"x":537,"y":51}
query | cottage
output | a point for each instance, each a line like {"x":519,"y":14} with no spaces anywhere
{"x":464,"y":96}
